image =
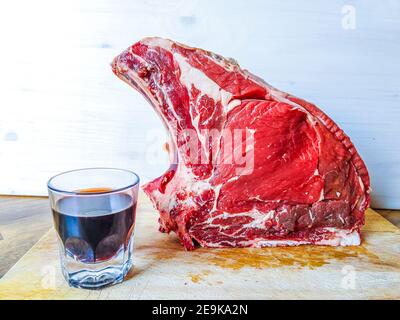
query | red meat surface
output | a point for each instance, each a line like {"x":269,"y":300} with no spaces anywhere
{"x":252,"y":166}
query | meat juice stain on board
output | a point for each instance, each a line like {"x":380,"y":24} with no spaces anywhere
{"x":299,"y":257}
{"x":197,"y":277}
{"x":237,"y":258}
{"x":310,"y":257}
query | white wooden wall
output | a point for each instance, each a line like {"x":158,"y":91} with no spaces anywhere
{"x":62,"y":108}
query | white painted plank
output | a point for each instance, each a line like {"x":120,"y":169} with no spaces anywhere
{"x":62,"y":108}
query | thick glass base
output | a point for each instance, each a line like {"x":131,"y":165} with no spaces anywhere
{"x":97,"y":275}
{"x":87,"y":279}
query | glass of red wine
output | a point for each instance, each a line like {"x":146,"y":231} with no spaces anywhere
{"x":94,"y":218}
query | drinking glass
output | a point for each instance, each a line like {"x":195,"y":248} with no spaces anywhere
{"x":94,"y":217}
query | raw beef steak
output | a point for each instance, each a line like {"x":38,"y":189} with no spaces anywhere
{"x":251,"y":166}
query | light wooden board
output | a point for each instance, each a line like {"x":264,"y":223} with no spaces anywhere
{"x":62,"y":108}
{"x":163,"y":270}
{"x":17,"y":215}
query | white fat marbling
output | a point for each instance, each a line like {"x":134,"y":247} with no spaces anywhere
{"x":192,"y":76}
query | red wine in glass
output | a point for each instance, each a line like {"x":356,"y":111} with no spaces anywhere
{"x":94,"y":229}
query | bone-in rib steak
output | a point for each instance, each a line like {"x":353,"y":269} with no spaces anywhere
{"x":251,"y":166}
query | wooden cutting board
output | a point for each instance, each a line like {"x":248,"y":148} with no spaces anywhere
{"x":163,"y":270}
